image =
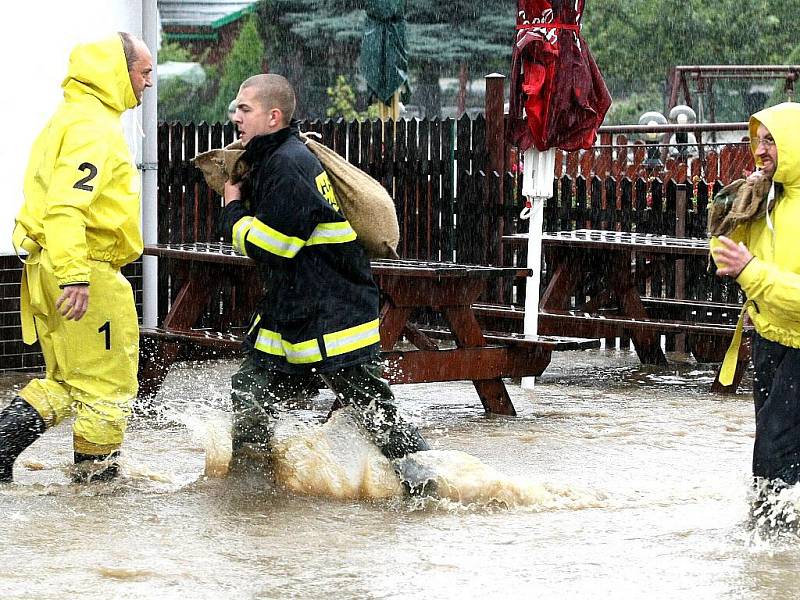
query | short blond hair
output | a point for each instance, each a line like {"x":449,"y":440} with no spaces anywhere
{"x":273,"y":91}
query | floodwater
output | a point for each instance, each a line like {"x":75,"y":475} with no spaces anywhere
{"x":636,"y":484}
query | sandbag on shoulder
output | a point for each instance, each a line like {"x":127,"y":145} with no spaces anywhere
{"x":221,"y":164}
{"x":364,"y":201}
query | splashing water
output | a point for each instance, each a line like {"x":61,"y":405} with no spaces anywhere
{"x":464,"y":479}
{"x":338,"y":460}
{"x":334,"y":459}
{"x":776,"y":509}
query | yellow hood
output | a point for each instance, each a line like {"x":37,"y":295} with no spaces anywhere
{"x":783,"y":122}
{"x":99,"y":69}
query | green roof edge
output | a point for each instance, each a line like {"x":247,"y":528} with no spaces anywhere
{"x":234,"y":16}
{"x":192,"y":36}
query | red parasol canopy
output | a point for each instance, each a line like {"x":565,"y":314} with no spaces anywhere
{"x":554,"y":78}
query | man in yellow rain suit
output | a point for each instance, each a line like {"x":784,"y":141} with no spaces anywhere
{"x":764,"y":257}
{"x":80,"y":223}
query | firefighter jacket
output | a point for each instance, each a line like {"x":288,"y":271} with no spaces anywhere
{"x":771,"y":280}
{"x":81,"y":185}
{"x":320,"y":309}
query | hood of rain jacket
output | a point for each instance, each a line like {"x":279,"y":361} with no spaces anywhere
{"x":771,"y":280}
{"x":81,"y":185}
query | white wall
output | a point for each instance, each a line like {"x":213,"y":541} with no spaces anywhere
{"x":35,"y":39}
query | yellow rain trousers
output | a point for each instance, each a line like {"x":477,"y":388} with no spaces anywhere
{"x":80,"y":224}
{"x":771,"y":281}
{"x":91,"y":363}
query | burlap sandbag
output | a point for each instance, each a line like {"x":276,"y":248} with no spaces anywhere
{"x":222,"y":164}
{"x":364,"y":201}
{"x":738,"y":202}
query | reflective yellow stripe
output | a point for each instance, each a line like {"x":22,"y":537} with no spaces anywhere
{"x":269,"y":342}
{"x":352,"y":338}
{"x":272,"y":240}
{"x":252,"y":327}
{"x":332,"y":233}
{"x":240,"y":230}
{"x":302,"y":352}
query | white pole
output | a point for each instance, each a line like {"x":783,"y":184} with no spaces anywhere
{"x":537,"y":186}
{"x":531,"y":322}
{"x":150,"y":171}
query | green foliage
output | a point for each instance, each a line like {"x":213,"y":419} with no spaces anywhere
{"x":343,"y":102}
{"x":627,"y":110}
{"x":182,"y":101}
{"x":324,"y":36}
{"x":636,"y":42}
{"x":474,"y":33}
{"x":244,"y":60}
{"x":462,"y":30}
{"x":173,"y":51}
{"x":779,"y":94}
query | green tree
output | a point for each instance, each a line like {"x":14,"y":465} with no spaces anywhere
{"x":246,"y":58}
{"x":325,"y":36}
{"x":180,"y":100}
{"x":780,"y":94}
{"x":343,"y":102}
{"x":636,"y":42}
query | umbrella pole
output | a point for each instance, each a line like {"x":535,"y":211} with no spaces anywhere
{"x":531,"y":322}
{"x":537,"y":185}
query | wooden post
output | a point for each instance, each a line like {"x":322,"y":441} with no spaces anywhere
{"x":496,"y":152}
{"x":495,"y":124}
{"x":680,"y":264}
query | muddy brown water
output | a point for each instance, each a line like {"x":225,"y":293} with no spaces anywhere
{"x":637,"y":483}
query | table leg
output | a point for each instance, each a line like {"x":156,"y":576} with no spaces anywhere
{"x":157,"y":356}
{"x":646,"y":343}
{"x":568,"y":272}
{"x":393,"y":320}
{"x":467,"y":333}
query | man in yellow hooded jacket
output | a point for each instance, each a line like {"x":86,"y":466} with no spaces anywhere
{"x":80,"y":223}
{"x":764,"y":257}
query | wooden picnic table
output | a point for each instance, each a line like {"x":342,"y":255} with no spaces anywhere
{"x":603,"y":260}
{"x":406,"y":286}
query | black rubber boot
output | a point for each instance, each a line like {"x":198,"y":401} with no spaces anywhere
{"x":20,"y":426}
{"x":417,"y":479}
{"x":92,"y":467}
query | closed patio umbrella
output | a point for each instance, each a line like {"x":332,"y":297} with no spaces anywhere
{"x":558,"y":100}
{"x":384,"y":57}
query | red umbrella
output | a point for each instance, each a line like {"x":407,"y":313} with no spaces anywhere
{"x":558,"y":100}
{"x":554,"y":78}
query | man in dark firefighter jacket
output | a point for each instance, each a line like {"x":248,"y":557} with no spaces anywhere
{"x":319,"y":314}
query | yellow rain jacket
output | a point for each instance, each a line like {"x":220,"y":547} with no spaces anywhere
{"x":771,"y":280}
{"x":80,"y":224}
{"x":81,"y":185}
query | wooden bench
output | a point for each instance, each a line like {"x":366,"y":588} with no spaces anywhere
{"x":691,"y":310}
{"x":504,"y":355}
{"x":709,"y":326}
{"x":510,"y":338}
{"x":406,"y":286}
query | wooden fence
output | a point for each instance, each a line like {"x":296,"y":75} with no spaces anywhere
{"x":456,"y":187}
